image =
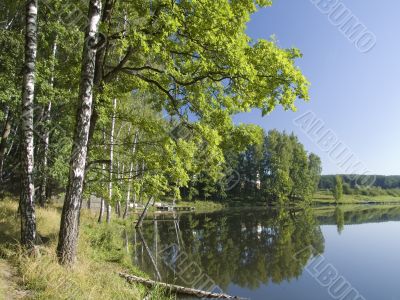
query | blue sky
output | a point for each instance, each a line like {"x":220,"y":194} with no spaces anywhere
{"x":356,"y":95}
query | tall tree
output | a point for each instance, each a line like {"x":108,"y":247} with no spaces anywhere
{"x":277,"y":183}
{"x":103,"y":171}
{"x":315,"y":169}
{"x":299,"y":172}
{"x":69,"y":229}
{"x":338,"y":188}
{"x":27,"y":201}
{"x":288,"y":172}
{"x":128,"y":194}
{"x":110,"y":183}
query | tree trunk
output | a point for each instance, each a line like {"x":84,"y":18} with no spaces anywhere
{"x":4,"y":138}
{"x":176,"y":288}
{"x":99,"y":68}
{"x":102,"y":204}
{"x":27,"y":201}
{"x":141,"y":218}
{"x":139,"y":192}
{"x":108,"y":217}
{"x":43,"y":164}
{"x":120,"y":177}
{"x":110,"y":184}
{"x":118,"y":208}
{"x":128,"y":195}
{"x":69,"y":229}
{"x":141,"y":200}
{"x":130,"y":177}
{"x":101,"y":213}
{"x":118,"y":204}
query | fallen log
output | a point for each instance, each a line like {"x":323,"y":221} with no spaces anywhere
{"x":176,"y":288}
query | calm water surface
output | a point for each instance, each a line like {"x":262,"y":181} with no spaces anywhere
{"x":277,"y":254}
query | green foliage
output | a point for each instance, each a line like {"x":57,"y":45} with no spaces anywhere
{"x":275,"y":167}
{"x":170,"y":64}
{"x":290,"y":174}
{"x":362,"y":181}
{"x":347,"y":189}
{"x":278,"y":162}
{"x":338,"y":189}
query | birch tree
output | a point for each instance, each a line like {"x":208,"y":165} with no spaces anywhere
{"x":128,"y":195}
{"x":110,"y":184}
{"x":103,"y":171}
{"x":27,"y":201}
{"x":69,"y":229}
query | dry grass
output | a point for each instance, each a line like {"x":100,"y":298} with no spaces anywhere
{"x":101,"y":255}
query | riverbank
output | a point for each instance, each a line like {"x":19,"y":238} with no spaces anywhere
{"x":203,"y":206}
{"x":326,"y":198}
{"x":103,"y":251}
{"x":321,"y":198}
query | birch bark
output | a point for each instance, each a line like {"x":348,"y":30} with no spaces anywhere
{"x":69,"y":229}
{"x":27,"y":201}
{"x":110,"y":184}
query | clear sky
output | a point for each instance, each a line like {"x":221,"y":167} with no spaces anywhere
{"x":356,"y":95}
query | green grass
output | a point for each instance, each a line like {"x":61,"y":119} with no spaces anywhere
{"x":320,"y":198}
{"x":326,"y":198}
{"x":101,"y":254}
{"x":203,"y":205}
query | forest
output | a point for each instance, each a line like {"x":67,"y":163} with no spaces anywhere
{"x":132,"y":100}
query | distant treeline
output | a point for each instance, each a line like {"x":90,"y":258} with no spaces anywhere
{"x":367,"y":185}
{"x":327,"y":182}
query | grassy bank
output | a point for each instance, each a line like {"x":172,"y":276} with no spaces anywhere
{"x":102,"y":253}
{"x":321,"y":198}
{"x":201,"y":206}
{"x":326,"y":198}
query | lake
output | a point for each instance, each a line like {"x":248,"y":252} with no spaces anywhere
{"x":313,"y":254}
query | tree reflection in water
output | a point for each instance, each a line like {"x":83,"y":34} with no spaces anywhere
{"x":247,"y":248}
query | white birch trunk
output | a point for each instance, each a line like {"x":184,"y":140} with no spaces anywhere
{"x":27,"y":201}
{"x":103,"y":171}
{"x":128,"y":199}
{"x":69,"y":229}
{"x":118,"y":205}
{"x":110,"y":184}
{"x":128,"y":194}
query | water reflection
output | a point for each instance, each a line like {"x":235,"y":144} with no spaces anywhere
{"x":339,"y":219}
{"x":241,"y":248}
{"x":245,"y":248}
